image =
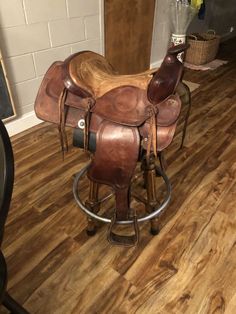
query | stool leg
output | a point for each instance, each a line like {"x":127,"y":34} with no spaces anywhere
{"x":93,"y":205}
{"x":152,"y":203}
{"x":188,"y":102}
{"x":162,"y":161}
{"x":185,"y":95}
{"x":144,"y":171}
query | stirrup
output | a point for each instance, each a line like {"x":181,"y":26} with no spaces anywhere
{"x":113,"y":237}
{"x":117,"y":239}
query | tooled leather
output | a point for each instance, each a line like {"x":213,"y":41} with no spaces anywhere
{"x":125,"y":105}
{"x":72,"y":68}
{"x":129,"y":105}
{"x":71,"y":81}
{"x":46,"y":103}
{"x":90,"y":73}
{"x":165,"y":80}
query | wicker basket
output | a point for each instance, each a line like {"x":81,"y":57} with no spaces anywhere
{"x":202,"y":51}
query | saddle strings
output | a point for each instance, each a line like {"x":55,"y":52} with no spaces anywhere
{"x":152,"y":134}
{"x":90,"y":103}
{"x":61,"y":126}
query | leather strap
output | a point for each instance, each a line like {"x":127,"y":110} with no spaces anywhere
{"x":87,"y":117}
{"x":62,"y":118}
{"x":61,"y":126}
{"x":152,"y":136}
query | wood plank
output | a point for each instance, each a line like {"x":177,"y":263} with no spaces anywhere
{"x":54,"y":267}
{"x":128,"y":31}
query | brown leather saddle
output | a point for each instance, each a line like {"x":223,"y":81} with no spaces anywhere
{"x":128,"y":113}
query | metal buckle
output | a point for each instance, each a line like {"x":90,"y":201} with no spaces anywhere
{"x":117,"y":239}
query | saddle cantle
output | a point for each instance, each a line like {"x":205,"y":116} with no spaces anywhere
{"x":125,"y":112}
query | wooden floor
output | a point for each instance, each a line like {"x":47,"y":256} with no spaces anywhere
{"x":190,"y":267}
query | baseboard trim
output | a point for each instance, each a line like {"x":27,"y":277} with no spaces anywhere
{"x":23,"y":123}
{"x":155,"y":64}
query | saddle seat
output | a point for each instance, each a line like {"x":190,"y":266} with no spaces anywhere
{"x":93,"y":74}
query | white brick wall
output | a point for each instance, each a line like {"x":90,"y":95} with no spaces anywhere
{"x":68,"y":31}
{"x":83,"y":7}
{"x":43,"y":59}
{"x":36,"y":33}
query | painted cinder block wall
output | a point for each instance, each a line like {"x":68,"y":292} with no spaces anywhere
{"x":33,"y":34}
{"x":36,"y":33}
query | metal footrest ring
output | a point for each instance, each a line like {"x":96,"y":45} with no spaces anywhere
{"x":152,"y":215}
